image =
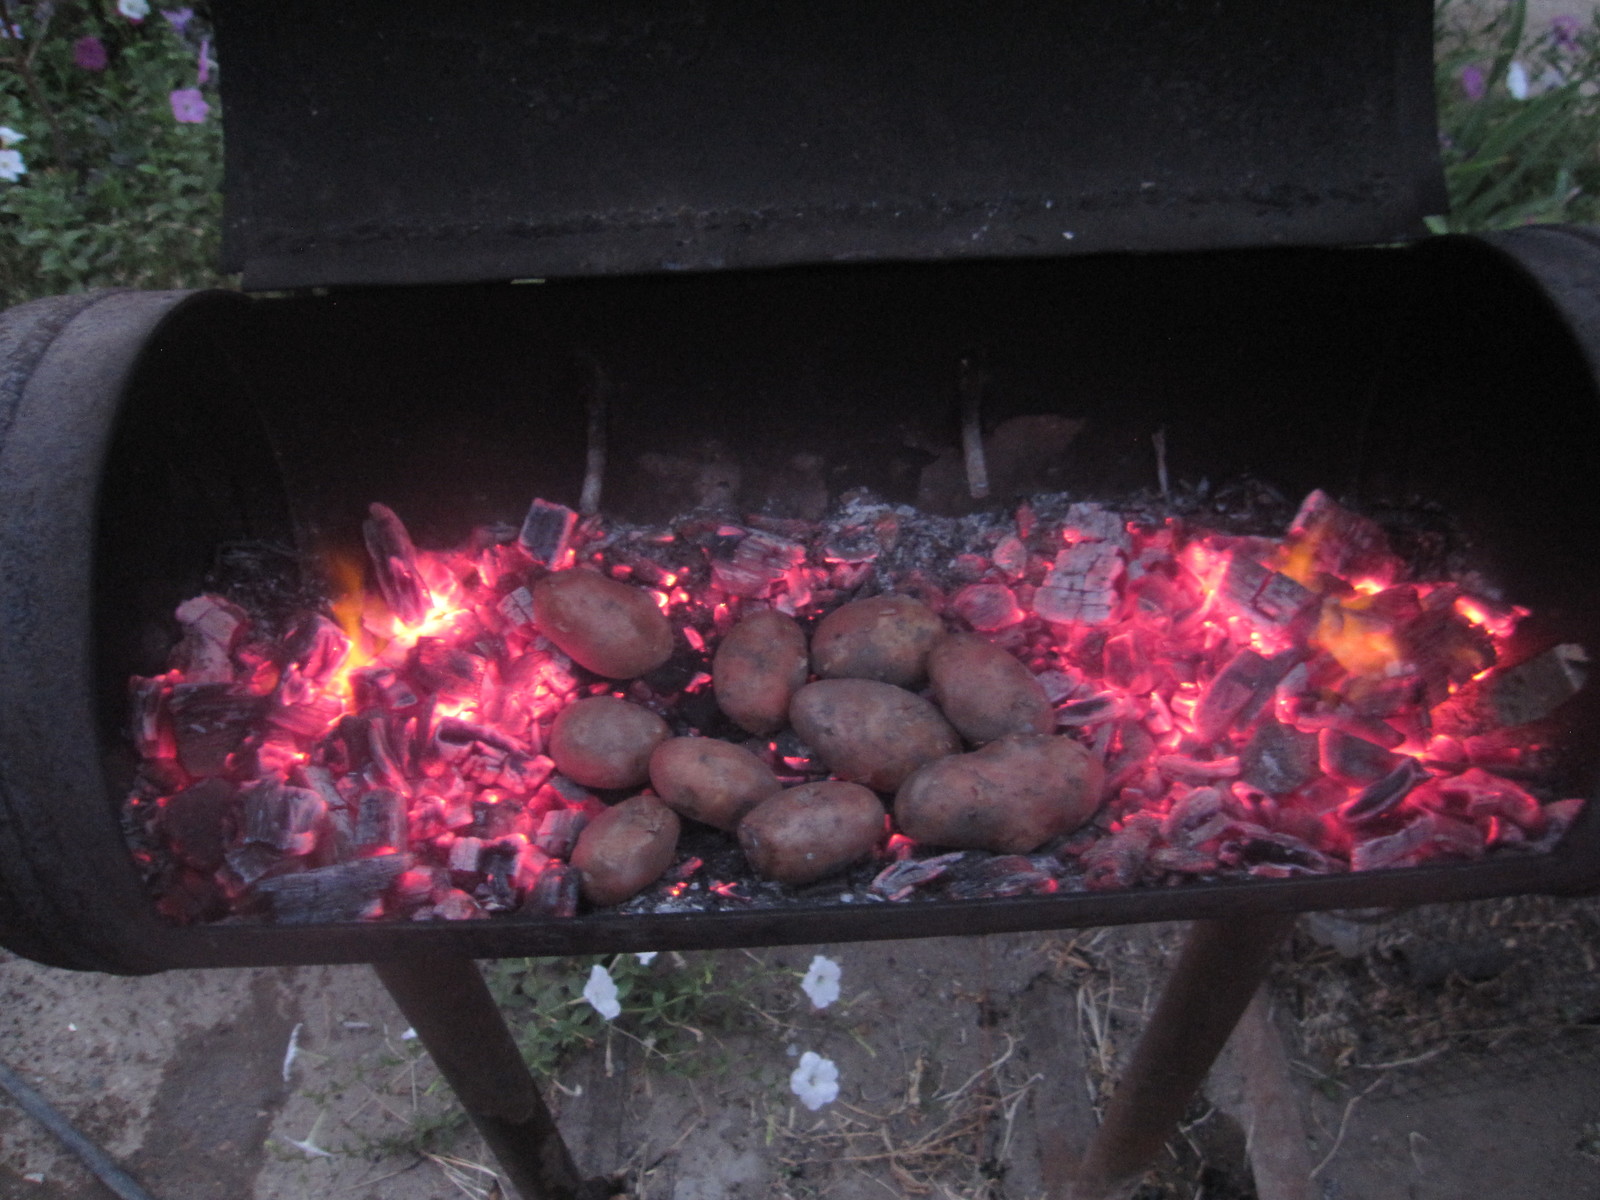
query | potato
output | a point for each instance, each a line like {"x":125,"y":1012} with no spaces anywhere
{"x":1011,"y":797}
{"x":870,"y":732}
{"x":802,"y":834}
{"x":886,"y":638}
{"x":985,"y":692}
{"x":612,"y":628}
{"x":604,"y":742}
{"x":625,"y":849}
{"x":758,"y":668}
{"x":710,"y":781}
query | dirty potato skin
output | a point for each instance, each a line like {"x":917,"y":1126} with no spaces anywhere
{"x":758,"y":668}
{"x":1010,"y":797}
{"x":985,"y":692}
{"x":870,"y":732}
{"x":625,"y":849}
{"x":612,"y":628}
{"x":886,"y":638}
{"x":604,"y":742}
{"x":710,"y":781}
{"x":800,"y":835}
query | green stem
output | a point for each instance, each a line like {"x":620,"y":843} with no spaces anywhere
{"x":23,"y":64}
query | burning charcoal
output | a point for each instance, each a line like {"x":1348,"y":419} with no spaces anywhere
{"x":1392,"y":849}
{"x":199,"y":821}
{"x":1238,"y":692}
{"x":1383,"y":796}
{"x":554,"y":893}
{"x":1181,"y":860}
{"x":455,"y":905}
{"x":1353,"y":761}
{"x":1185,"y":769}
{"x":1249,"y":844}
{"x":496,"y":818}
{"x":1191,"y":812}
{"x":1081,"y":588}
{"x":284,"y":818}
{"x":415,"y":888}
{"x":1446,"y":650}
{"x":381,"y":819}
{"x":899,"y":880}
{"x":346,"y":892}
{"x":500,"y":890}
{"x":1512,"y":696}
{"x":1010,"y":557}
{"x":394,"y":562}
{"x":459,"y":732}
{"x":758,"y":562}
{"x":1088,"y":711}
{"x":1266,"y":599}
{"x":209,"y":721}
{"x":1119,"y":860}
{"x":1007,"y":875}
{"x":383,"y":688}
{"x":1279,"y":759}
{"x":149,"y":723}
{"x":558,"y":832}
{"x":547,"y":532}
{"x":250,"y":862}
{"x":517,"y":607}
{"x":987,"y":607}
{"x":211,"y":628}
{"x":1336,"y":541}
{"x":852,"y":544}
{"x":1559,"y":816}
{"x":1476,"y":793}
{"x":318,"y":648}
{"x":441,"y":667}
{"x":465,"y":853}
{"x":1089,"y":522}
{"x":1344,"y":719}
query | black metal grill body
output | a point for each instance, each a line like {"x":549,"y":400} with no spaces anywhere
{"x":138,"y":432}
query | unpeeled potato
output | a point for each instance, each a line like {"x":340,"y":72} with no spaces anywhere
{"x":870,"y":732}
{"x":886,"y":638}
{"x":606,"y":742}
{"x":625,"y":849}
{"x":758,"y":668}
{"x":710,"y":781}
{"x":613,"y":628}
{"x":804,"y":833}
{"x":1010,"y":797}
{"x":985,"y":692}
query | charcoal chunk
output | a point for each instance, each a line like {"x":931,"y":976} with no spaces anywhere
{"x":346,"y":892}
{"x":1279,"y":758}
{"x":199,"y":821}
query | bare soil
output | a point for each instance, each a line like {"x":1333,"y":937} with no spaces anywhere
{"x":1439,"y":1053}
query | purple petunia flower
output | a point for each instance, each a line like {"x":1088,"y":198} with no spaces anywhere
{"x":1474,"y":82}
{"x":203,"y":63}
{"x":178,"y":18}
{"x":89,"y":53}
{"x":189,"y":107}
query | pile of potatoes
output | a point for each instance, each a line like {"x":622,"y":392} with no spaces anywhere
{"x":1021,"y":786}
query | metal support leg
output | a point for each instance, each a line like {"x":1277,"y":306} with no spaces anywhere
{"x":448,"y":1004}
{"x":1222,"y":964}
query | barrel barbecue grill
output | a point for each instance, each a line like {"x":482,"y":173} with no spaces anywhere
{"x":783,"y":229}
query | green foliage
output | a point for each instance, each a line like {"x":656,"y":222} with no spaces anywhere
{"x":665,"y":1003}
{"x":118,"y":192}
{"x":1516,"y":154}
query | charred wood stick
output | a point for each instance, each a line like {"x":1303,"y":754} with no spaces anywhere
{"x":972,"y":381}
{"x":394,"y":559}
{"x":594,"y":468}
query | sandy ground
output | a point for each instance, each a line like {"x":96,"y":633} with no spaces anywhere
{"x":968,"y":1068}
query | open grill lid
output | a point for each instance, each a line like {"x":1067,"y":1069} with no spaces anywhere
{"x":374,"y":142}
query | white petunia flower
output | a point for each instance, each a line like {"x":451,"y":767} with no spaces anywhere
{"x":815,"y":1080}
{"x":646,"y":957}
{"x":134,"y":10}
{"x":821,"y":982}
{"x":601,"y":993}
{"x":12,"y":168}
{"x":10,"y":137}
{"x":1517,"y":81}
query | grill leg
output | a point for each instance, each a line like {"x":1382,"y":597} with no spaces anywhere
{"x":1222,"y":965}
{"x":448,"y":1004}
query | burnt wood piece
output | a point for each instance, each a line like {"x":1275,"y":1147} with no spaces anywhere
{"x":394,"y":562}
{"x":1279,"y":759}
{"x":211,"y":629}
{"x":282,"y":817}
{"x":1267,"y":599}
{"x":1342,"y":542}
{"x":759,"y":561}
{"x":547,"y":531}
{"x":381,"y":819}
{"x":1512,"y":696}
{"x":1081,"y":587}
{"x":1239,"y":691}
{"x":209,"y":721}
{"x":198,"y":822}
{"x":555,"y":893}
{"x":345,"y":892}
{"x":1447,"y":651}
{"x":1353,"y":761}
{"x":1381,"y":797}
